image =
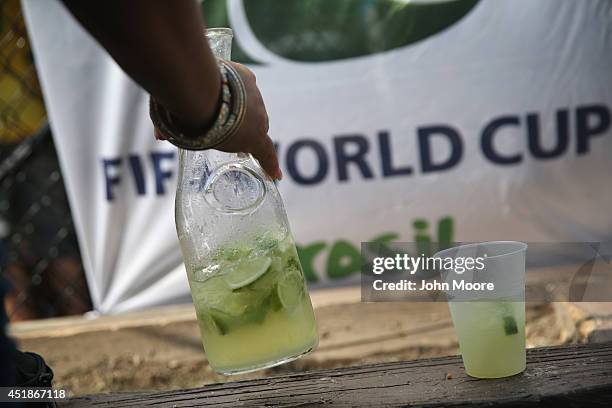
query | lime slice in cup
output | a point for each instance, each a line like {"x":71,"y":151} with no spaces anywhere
{"x":510,"y":325}
{"x":246,"y":271}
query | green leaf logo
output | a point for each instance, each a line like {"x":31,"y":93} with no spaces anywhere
{"x":328,"y":30}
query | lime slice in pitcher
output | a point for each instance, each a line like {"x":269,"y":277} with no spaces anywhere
{"x":290,"y":290}
{"x":207,"y":320}
{"x":246,"y":271}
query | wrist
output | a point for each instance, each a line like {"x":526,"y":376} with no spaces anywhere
{"x":229,"y":116}
{"x":203,"y":115}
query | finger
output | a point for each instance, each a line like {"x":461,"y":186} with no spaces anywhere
{"x":266,"y":155}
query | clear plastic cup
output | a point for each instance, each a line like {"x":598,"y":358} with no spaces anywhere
{"x":490,"y":324}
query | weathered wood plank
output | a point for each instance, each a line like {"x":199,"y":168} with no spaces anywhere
{"x":577,"y":375}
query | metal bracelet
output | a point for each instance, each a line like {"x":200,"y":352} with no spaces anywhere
{"x":238,"y":103}
{"x":229,"y":118}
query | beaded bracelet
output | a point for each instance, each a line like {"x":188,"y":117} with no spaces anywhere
{"x":229,"y":118}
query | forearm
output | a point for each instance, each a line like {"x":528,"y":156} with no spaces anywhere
{"x":161,"y":45}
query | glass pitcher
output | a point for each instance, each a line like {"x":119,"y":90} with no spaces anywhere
{"x":246,"y":280}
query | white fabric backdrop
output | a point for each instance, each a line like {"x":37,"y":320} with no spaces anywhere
{"x":502,"y":59}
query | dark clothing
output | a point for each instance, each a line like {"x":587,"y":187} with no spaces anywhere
{"x":7,"y":347}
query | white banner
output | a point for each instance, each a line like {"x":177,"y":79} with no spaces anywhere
{"x":492,"y":124}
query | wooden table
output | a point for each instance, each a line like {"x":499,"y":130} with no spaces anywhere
{"x":576,"y":375}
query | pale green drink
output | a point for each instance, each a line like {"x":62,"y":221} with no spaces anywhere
{"x":253,"y":307}
{"x":490,"y":324}
{"x":491,"y":337}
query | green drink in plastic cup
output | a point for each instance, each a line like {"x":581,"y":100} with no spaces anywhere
{"x":490,"y":326}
